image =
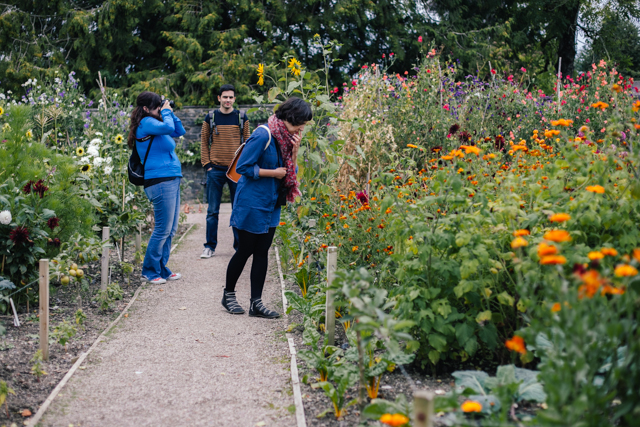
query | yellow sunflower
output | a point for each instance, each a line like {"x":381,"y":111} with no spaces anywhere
{"x":260,"y":74}
{"x":85,"y":168}
{"x":1,"y":111}
{"x":295,"y":66}
{"x":118,"y":139}
{"x":79,"y":151}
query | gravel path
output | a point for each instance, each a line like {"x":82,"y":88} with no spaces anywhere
{"x":179,"y":359}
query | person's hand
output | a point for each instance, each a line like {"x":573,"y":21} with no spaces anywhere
{"x":209,"y":169}
{"x":166,"y":105}
{"x":296,"y":144}
{"x":279,"y":173}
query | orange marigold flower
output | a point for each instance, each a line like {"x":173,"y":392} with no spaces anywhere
{"x":616,"y":88}
{"x":553,"y":260}
{"x":282,"y":223}
{"x":545,"y":249}
{"x":625,"y":270}
{"x":394,"y":420}
{"x":595,"y":189}
{"x":447,"y":157}
{"x":595,"y":255}
{"x":601,"y":105}
{"x":557,"y":236}
{"x":355,"y":248}
{"x":471,"y":406}
{"x":521,"y":232}
{"x":556,"y":307}
{"x":636,"y":106}
{"x":516,"y":344}
{"x":636,"y":254}
{"x":592,"y":282}
{"x":560,"y":217}
{"x":609,"y":251}
{"x":519,"y":242}
{"x":561,"y":122}
{"x":611,"y":290}
{"x":412,"y":146}
{"x":471,"y":149}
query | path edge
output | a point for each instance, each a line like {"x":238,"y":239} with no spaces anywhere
{"x":295,"y":380}
{"x":33,"y":422}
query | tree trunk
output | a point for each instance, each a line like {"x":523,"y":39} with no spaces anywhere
{"x":567,"y":38}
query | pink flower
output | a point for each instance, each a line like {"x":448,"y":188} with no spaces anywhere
{"x":420,"y":39}
{"x":391,"y":54}
{"x":383,"y":55}
{"x":446,"y":107}
{"x":524,"y":70}
{"x":353,"y":82}
{"x":510,"y":78}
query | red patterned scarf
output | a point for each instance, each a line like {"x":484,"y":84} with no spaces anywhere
{"x":286,"y":141}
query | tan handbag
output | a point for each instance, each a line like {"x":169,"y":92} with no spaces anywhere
{"x":232,"y":174}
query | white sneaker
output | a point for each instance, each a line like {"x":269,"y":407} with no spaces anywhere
{"x":175,"y":276}
{"x":157,"y":281}
{"x":207,"y":253}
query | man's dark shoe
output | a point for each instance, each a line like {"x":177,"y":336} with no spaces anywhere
{"x":230,"y":302}
{"x":257,"y":309}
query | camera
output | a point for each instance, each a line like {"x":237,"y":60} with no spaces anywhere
{"x":172,"y":103}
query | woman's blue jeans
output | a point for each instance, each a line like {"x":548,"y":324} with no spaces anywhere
{"x":165,"y":197}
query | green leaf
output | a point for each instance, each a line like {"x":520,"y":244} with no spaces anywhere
{"x":463,"y":287}
{"x":474,"y":380}
{"x":506,"y":299}
{"x":438,"y":341}
{"x":483,"y":316}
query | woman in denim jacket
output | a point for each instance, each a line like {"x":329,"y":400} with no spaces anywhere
{"x":162,"y":173}
{"x":268,"y":181}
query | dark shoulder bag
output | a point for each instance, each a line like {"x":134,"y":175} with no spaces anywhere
{"x":135,"y":168}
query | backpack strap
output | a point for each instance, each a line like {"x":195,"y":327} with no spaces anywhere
{"x":212,"y":123}
{"x":146,"y":138}
{"x":269,"y":132}
{"x":241,"y":124}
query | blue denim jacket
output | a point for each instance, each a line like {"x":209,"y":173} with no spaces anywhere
{"x":254,"y":206}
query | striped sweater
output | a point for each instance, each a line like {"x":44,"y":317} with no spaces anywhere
{"x":226,"y":142}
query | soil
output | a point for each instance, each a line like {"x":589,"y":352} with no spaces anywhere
{"x":19,"y":344}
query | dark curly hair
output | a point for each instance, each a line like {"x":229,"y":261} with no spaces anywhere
{"x":295,"y":111}
{"x":145,"y":99}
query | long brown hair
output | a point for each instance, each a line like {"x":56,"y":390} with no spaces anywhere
{"x":145,"y":99}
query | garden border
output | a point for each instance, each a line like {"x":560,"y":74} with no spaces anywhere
{"x":295,"y":380}
{"x":45,"y":405}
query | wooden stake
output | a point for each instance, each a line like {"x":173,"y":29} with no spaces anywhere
{"x":105,"y":258}
{"x":16,"y":321}
{"x":330,"y":315}
{"x":423,"y":409}
{"x":139,"y":239}
{"x":44,"y":308}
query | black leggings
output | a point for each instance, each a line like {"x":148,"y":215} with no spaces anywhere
{"x":250,"y":244}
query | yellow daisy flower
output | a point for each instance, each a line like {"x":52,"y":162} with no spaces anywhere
{"x":118,"y":139}
{"x":85,"y":168}
{"x":260,"y":74}
{"x":29,"y":134}
{"x":79,"y":151}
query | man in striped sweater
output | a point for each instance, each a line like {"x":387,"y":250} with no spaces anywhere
{"x":220,"y":137}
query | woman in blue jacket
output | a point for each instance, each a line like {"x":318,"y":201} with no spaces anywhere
{"x":268,"y":181}
{"x":156,"y":125}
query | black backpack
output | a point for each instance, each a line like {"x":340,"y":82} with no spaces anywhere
{"x":135,"y":168}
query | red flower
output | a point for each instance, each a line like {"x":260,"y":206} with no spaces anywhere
{"x":363,"y":197}
{"x":391,"y":54}
{"x":420,"y":39}
{"x":27,"y":188}
{"x":40,"y":188}
{"x":53,"y":222}
{"x":493,"y":71}
{"x":353,"y":82}
{"x":19,"y":235}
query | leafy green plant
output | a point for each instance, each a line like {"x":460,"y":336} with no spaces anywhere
{"x":80,"y":317}
{"x":37,"y":368}
{"x":499,"y":394}
{"x":345,"y":376}
{"x":5,"y":390}
{"x":106,"y":297}
{"x":63,"y":332}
